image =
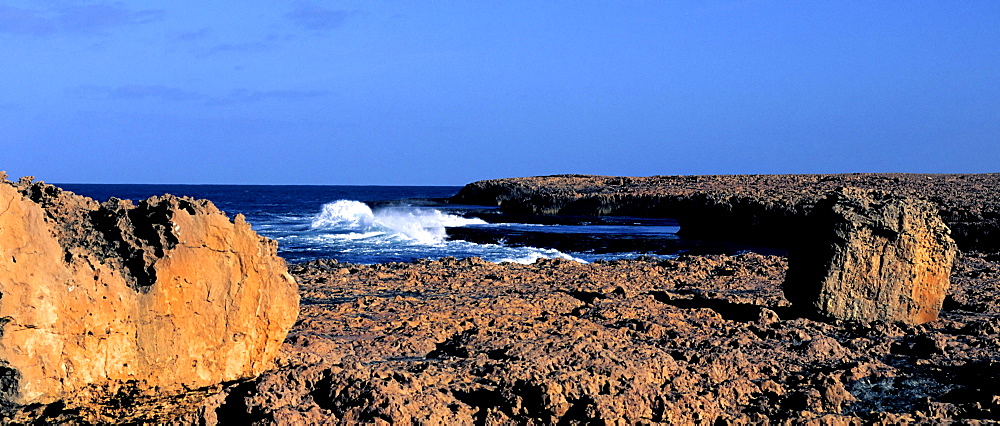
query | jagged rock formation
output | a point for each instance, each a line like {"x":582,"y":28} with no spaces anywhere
{"x":113,"y":298}
{"x":759,"y":209}
{"x":692,"y":340}
{"x":871,"y":256}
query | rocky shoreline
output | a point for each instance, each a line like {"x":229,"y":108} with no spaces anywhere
{"x":759,"y":209}
{"x":698,"y":339}
{"x":693,"y":340}
{"x":708,"y":339}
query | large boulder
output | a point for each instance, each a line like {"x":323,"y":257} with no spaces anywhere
{"x":159,"y":297}
{"x":871,"y":256}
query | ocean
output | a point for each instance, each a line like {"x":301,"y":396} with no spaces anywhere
{"x":378,"y":224}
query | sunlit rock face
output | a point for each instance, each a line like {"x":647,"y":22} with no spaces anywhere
{"x":871,"y":256}
{"x":159,"y":297}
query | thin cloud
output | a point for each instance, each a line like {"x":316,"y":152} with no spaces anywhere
{"x":248,"y":96}
{"x":192,"y":36}
{"x":166,"y":93}
{"x":267,"y":43}
{"x":14,"y":20}
{"x":73,"y":19}
{"x":318,"y":18}
{"x":254,"y":46}
{"x":154,"y":91}
{"x":136,"y":91}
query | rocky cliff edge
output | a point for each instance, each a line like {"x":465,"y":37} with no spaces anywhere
{"x":759,"y":209}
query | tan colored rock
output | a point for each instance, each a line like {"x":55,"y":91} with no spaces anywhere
{"x":161,"y":297}
{"x":556,"y":342}
{"x":871,"y":256}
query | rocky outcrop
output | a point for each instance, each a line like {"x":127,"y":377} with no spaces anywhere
{"x":871,"y":256}
{"x":757,"y":209}
{"x":691,"y":340}
{"x":115,"y":298}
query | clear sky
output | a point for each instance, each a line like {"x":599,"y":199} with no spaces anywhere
{"x":448,"y":92}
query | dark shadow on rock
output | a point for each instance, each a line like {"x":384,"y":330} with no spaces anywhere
{"x":234,"y":410}
{"x":454,"y":346}
{"x":739,"y":312}
{"x":587,"y":297}
{"x":483,"y":400}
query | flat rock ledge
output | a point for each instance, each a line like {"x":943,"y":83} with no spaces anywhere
{"x":103,"y":300}
{"x":758,"y":209}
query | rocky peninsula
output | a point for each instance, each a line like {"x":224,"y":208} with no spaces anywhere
{"x":764,"y":209}
{"x":696,"y":339}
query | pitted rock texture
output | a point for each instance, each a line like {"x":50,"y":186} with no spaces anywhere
{"x":692,"y":340}
{"x":759,"y":209}
{"x":871,"y":256}
{"x":111,"y":299}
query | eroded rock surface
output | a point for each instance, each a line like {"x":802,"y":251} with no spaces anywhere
{"x":698,"y":339}
{"x":872,"y":256}
{"x":100,"y":300}
{"x":691,"y":340}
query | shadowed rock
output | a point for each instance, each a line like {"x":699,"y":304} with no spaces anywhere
{"x":755,"y":209}
{"x":113,"y":298}
{"x":871,"y":256}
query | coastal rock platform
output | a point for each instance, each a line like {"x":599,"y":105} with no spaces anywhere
{"x":761,"y":209}
{"x":697,"y":339}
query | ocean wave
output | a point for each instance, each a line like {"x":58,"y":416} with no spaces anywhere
{"x":531,"y":255}
{"x":425,"y":226}
{"x":344,"y":214}
{"x":352,"y":228}
{"x":350,"y":236}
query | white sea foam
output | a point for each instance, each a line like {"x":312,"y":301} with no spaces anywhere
{"x":533,"y":254}
{"x":344,"y":214}
{"x":425,"y":226}
{"x":353,"y":229}
{"x":350,"y":236}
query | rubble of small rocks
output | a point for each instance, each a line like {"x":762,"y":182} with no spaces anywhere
{"x":105,"y":303}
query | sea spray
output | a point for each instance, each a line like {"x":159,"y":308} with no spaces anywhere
{"x":344,"y":214}
{"x":352,"y":228}
{"x":425,"y":226}
{"x":308,"y":226}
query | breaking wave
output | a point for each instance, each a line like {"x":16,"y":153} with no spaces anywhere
{"x":352,"y":230}
{"x":426,"y":226}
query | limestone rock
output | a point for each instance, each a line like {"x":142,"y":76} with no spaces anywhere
{"x":871,"y":256}
{"x":161,"y":297}
{"x":643,"y":341}
{"x":763,"y":210}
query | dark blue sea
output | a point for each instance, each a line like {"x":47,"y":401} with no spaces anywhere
{"x":377,"y":224}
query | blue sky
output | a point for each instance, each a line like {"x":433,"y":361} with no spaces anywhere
{"x":444,"y":93}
